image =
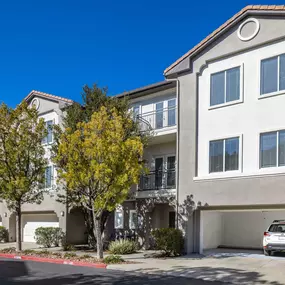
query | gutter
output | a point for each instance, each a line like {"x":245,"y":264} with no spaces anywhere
{"x":177,"y":146}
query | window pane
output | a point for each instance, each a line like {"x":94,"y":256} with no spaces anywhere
{"x":159,"y":115}
{"x":232,"y":154}
{"x":133,"y":220}
{"x":268,"y":151}
{"x":269,"y":75}
{"x":136,"y":111}
{"x":282,"y":72}
{"x":171,"y":112}
{"x":49,"y":130}
{"x":171,"y":171}
{"x":233,"y":84}
{"x":48,"y":177}
{"x":216,"y":156}
{"x":217,"y":88}
{"x":281,"y":149}
{"x":119,"y":220}
{"x":158,"y":172}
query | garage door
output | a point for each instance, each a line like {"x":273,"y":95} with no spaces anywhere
{"x":32,"y":222}
{"x":237,"y":229}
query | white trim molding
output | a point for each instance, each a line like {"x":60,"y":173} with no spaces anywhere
{"x":253,"y":35}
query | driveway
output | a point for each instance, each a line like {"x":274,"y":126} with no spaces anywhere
{"x":233,"y":266}
{"x":31,"y":273}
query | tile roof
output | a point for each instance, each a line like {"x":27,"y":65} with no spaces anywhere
{"x":49,"y":96}
{"x":224,"y":26}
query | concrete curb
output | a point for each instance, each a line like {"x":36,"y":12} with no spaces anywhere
{"x":51,"y":260}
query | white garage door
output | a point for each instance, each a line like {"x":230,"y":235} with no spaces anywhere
{"x":240,"y":229}
{"x":32,"y":222}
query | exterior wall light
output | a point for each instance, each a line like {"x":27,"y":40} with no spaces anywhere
{"x":62,"y":213}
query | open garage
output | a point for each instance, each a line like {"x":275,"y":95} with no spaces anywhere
{"x":30,"y":222}
{"x":235,"y":229}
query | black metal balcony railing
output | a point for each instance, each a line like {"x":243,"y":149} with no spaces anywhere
{"x":158,"y":119}
{"x":157,"y":180}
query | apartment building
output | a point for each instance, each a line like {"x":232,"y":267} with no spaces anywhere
{"x":217,"y":153}
{"x":231,"y":139}
{"x":151,"y":204}
{"x":49,"y":212}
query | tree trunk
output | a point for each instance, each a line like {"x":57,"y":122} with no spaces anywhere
{"x":97,"y":233}
{"x":18,"y":229}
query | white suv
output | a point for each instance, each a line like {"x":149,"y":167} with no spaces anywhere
{"x":274,"y":237}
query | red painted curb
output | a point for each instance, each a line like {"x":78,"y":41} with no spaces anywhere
{"x":51,"y":260}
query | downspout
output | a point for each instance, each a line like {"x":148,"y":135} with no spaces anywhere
{"x":177,"y":146}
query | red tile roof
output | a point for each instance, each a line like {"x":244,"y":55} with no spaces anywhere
{"x":46,"y":95}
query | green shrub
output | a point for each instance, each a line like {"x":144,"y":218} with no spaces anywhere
{"x":69,"y":255}
{"x":58,"y":236}
{"x":169,"y":240}
{"x":123,"y":247}
{"x":113,"y":259}
{"x":8,"y":250}
{"x":49,"y":236}
{"x":4,"y":234}
{"x":29,"y":251}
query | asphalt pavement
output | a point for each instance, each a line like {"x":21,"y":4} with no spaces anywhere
{"x":16,"y":272}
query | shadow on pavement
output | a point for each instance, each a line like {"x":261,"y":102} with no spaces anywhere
{"x":29,"y":273}
{"x":221,"y":275}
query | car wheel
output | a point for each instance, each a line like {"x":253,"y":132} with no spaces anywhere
{"x":267,"y":252}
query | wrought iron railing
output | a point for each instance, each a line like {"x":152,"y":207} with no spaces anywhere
{"x":158,"y":119}
{"x":157,"y":180}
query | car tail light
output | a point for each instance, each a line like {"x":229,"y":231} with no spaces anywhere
{"x":266,"y":234}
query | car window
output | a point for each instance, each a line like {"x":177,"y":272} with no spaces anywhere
{"x":277,"y":228}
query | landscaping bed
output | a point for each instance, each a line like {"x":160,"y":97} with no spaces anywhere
{"x":64,"y":256}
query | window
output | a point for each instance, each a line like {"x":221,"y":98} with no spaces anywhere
{"x":133,"y":219}
{"x":119,"y":219}
{"x":225,"y":86}
{"x":272,"y":149}
{"x":49,"y":138}
{"x":159,"y":115}
{"x":171,"y":112}
{"x":48,"y":177}
{"x":272,"y":74}
{"x":136,"y":111}
{"x":224,"y":155}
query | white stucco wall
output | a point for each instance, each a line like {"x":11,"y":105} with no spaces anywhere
{"x":254,"y":115}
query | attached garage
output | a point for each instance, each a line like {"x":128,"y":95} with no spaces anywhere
{"x":30,"y":222}
{"x":235,"y":229}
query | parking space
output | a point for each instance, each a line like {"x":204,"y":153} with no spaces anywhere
{"x":235,"y":229}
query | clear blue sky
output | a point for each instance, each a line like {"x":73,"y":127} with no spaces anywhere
{"x":57,"y":46}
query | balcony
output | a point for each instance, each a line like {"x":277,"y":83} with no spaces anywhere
{"x":158,"y":120}
{"x":158,"y":180}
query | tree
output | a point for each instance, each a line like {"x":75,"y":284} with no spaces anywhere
{"x":93,"y":99}
{"x":102,"y":158}
{"x":22,"y":161}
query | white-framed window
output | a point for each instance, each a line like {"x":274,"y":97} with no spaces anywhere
{"x":133,"y":219}
{"x":224,"y":155}
{"x":49,"y":177}
{"x":119,"y":219}
{"x":49,"y":137}
{"x":272,"y":149}
{"x":225,"y":86}
{"x":272,"y":74}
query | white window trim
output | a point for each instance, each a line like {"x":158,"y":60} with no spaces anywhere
{"x":130,"y":220}
{"x":273,"y":168}
{"x":240,"y":165}
{"x":275,"y":93}
{"x":241,"y":90}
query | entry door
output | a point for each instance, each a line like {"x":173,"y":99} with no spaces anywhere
{"x":158,"y":172}
{"x":171,"y":220}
